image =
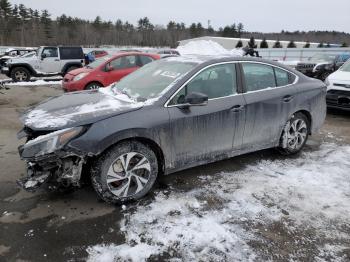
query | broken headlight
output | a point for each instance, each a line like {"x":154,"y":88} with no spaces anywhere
{"x":49,"y":143}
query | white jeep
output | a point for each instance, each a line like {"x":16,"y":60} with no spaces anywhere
{"x":48,"y":61}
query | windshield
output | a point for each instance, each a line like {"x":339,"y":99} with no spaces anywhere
{"x":99,"y":61}
{"x":322,"y":58}
{"x":152,"y":79}
{"x":345,"y":67}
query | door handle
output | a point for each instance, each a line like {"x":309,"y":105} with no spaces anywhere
{"x":237,"y":108}
{"x":57,"y":60}
{"x":287,"y":98}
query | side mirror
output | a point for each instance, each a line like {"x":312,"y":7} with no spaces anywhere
{"x":109,"y":68}
{"x":43,"y":56}
{"x":195,"y":99}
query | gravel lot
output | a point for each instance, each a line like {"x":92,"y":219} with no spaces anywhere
{"x":255,"y":207}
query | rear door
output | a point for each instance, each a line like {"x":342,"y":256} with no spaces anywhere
{"x":120,"y":67}
{"x":203,"y":133}
{"x":270,"y":101}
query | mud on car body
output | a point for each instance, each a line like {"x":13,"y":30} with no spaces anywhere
{"x":172,"y":114}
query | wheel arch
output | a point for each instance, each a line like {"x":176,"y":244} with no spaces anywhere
{"x":26,"y":66}
{"x":70,"y":64}
{"x":94,"y":81}
{"x":308,"y":116}
{"x":151,"y":144}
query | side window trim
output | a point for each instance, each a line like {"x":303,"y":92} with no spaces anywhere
{"x":290,"y":74}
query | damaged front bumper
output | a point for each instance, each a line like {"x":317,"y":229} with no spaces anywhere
{"x":50,"y":159}
{"x":57,"y":169}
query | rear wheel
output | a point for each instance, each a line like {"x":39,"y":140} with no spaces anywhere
{"x":295,"y":134}
{"x":93,"y":86}
{"x":20,"y":74}
{"x":124,"y":173}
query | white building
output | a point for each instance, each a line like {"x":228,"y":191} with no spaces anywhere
{"x":230,"y":43}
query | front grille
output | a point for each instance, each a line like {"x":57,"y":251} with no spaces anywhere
{"x":342,"y":85}
{"x":306,"y":66}
{"x":339,"y":92}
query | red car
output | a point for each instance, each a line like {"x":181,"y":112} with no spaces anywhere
{"x":105,"y":71}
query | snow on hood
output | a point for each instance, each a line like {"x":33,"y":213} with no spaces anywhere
{"x":78,"y":108}
{"x":207,"y":47}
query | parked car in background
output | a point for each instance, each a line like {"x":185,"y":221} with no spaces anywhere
{"x":321,"y":65}
{"x":338,"y":88}
{"x":172,"y":114}
{"x":106,"y":70}
{"x":98,"y":53}
{"x":49,"y":61}
{"x":165,"y":52}
{"x":14,"y":52}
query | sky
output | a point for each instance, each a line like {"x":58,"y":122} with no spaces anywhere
{"x":256,"y":15}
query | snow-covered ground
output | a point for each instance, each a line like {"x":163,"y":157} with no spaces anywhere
{"x":38,"y":82}
{"x":298,"y":205}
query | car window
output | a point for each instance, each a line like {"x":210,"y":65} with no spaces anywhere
{"x":258,"y":76}
{"x":67,"y":53}
{"x":124,"y":62}
{"x":145,"y":59}
{"x":50,"y":52}
{"x":282,"y":77}
{"x":217,"y":81}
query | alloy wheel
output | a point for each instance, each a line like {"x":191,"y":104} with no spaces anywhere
{"x":128,"y":174}
{"x":297,"y":134}
{"x":21,"y":75}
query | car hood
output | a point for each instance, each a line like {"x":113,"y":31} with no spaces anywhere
{"x":340,"y":76}
{"x":76,"y":72}
{"x":76,"y":109}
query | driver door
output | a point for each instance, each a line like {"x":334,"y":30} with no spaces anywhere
{"x":50,"y":61}
{"x":202,"y":134}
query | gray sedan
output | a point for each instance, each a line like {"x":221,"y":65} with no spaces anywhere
{"x":170,"y":115}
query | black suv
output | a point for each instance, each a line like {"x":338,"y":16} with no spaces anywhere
{"x":321,"y":65}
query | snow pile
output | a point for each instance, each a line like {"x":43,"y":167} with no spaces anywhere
{"x":35,"y":83}
{"x":206,"y":47}
{"x":227,"y":212}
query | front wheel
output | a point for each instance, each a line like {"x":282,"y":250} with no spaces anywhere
{"x":93,"y":86}
{"x":20,"y":74}
{"x":295,"y":134}
{"x":125,"y":172}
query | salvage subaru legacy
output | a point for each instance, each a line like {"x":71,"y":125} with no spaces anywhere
{"x":170,"y":115}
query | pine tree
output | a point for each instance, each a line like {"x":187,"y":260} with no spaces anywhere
{"x":307,"y":44}
{"x":5,"y":13}
{"x":264,"y":43}
{"x":239,"y":44}
{"x":45,"y":20}
{"x":277,"y":44}
{"x":320,"y":45}
{"x":240,"y":29}
{"x":251,"y":43}
{"x":344,"y":45}
{"x":291,"y":44}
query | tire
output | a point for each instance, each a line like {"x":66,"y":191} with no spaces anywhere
{"x":20,"y":74}
{"x":292,"y":142}
{"x":93,"y":86}
{"x":109,"y":179}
